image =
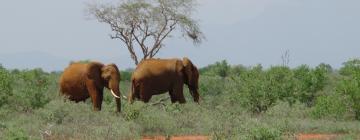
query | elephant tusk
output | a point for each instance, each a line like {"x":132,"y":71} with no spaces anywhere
{"x":124,"y":97}
{"x":112,"y":92}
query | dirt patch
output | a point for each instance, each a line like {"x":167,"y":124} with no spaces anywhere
{"x":176,"y":138}
{"x":317,"y":136}
{"x":189,"y":138}
{"x":153,"y":138}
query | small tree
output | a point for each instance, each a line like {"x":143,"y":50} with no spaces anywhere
{"x":145,"y":24}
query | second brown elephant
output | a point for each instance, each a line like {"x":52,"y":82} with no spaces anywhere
{"x":157,"y":76}
{"x":81,"y":81}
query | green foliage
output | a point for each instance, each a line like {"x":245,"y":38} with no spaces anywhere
{"x":350,"y":67}
{"x":310,"y":82}
{"x":126,"y":75}
{"x":255,"y":90}
{"x":132,"y":112}
{"x":282,"y":83}
{"x":31,"y":92}
{"x":14,"y":133}
{"x":6,"y":83}
{"x":332,"y":106}
{"x":351,"y":87}
{"x":264,"y":133}
{"x":211,"y":85}
{"x":54,"y":113}
{"x":36,"y":84}
{"x":221,"y":69}
{"x":325,"y":67}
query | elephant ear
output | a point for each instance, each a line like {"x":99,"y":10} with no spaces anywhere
{"x":188,"y":69}
{"x":115,"y":67}
{"x":108,"y":70}
{"x":94,"y":71}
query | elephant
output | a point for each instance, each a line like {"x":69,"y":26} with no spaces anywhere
{"x":157,"y":76}
{"x":80,"y":81}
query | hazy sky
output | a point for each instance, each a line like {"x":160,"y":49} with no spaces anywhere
{"x":50,"y":33}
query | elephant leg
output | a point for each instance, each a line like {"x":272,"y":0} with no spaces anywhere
{"x":100,"y":99}
{"x":182,"y":99}
{"x":178,"y":93}
{"x":118,"y":104}
{"x":134,"y":93}
{"x":95,"y":94}
{"x":97,"y":100}
{"x":172,"y":96}
{"x":144,"y":96}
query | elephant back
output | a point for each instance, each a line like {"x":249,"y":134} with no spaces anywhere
{"x":155,"y":67}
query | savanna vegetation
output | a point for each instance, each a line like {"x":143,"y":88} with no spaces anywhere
{"x":237,"y":102}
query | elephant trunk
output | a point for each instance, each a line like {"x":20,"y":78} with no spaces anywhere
{"x":195,"y":94}
{"x":114,"y":88}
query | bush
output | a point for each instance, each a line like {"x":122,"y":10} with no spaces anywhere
{"x":309,"y":82}
{"x":349,"y":67}
{"x":221,"y":69}
{"x":282,"y":83}
{"x":33,"y":92}
{"x":332,"y":106}
{"x":211,"y":85}
{"x":255,"y":92}
{"x":264,"y":133}
{"x":6,"y":83}
{"x":351,"y":87}
{"x":132,"y":112}
{"x":15,"y":134}
{"x":350,"y":84}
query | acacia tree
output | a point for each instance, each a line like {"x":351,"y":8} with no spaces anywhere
{"x":145,"y":24}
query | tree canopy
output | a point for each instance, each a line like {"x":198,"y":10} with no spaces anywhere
{"x":145,"y":24}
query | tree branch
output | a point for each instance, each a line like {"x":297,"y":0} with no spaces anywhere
{"x":133,"y":22}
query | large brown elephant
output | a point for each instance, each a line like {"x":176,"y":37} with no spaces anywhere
{"x":83,"y":80}
{"x":157,"y":76}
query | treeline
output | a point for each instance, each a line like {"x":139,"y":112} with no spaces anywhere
{"x":330,"y":92}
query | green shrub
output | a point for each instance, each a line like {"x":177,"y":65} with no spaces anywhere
{"x":14,"y":133}
{"x":6,"y":83}
{"x":211,"y":85}
{"x":332,"y":106}
{"x":309,"y":82}
{"x":221,"y":69}
{"x":132,"y":112}
{"x":254,"y":90}
{"x":32,"y":93}
{"x":282,"y":83}
{"x":350,"y":84}
{"x":264,"y":133}
{"x":349,"y":67}
{"x":237,"y":70}
{"x":351,"y":87}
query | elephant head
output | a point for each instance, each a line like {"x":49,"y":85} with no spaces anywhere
{"x":106,"y":76}
{"x":191,"y":78}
